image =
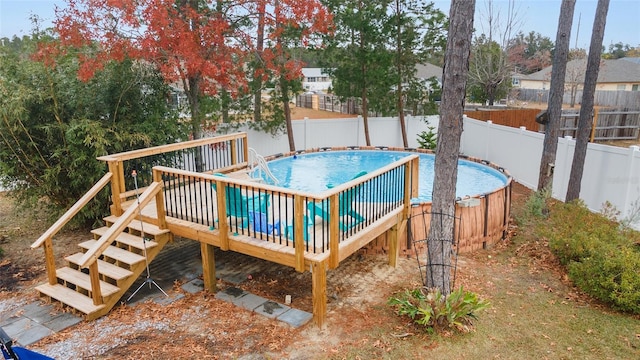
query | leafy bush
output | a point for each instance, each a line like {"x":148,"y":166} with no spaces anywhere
{"x":611,"y":275}
{"x":602,"y":259}
{"x":56,"y":125}
{"x":431,"y":309}
{"x":576,"y":233}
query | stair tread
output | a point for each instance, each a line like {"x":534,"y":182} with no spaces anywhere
{"x":83,"y":280}
{"x":127,"y":239}
{"x":116,"y":253}
{"x":138,"y":225}
{"x":108,"y":269}
{"x":70,"y":297}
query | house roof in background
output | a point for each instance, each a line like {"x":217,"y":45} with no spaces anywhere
{"x":611,"y":71}
{"x":427,"y":71}
{"x":313,"y":72}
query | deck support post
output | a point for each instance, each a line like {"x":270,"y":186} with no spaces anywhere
{"x":334,"y":232}
{"x":50,"y":262}
{"x":208,"y":266}
{"x":299,"y":236}
{"x":319,"y":292}
{"x":394,"y":249}
{"x":234,"y":152}
{"x":223,"y":225}
{"x":117,"y":185}
{"x":160,"y":209}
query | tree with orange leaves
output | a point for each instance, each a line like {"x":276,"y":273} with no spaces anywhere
{"x":204,"y":46}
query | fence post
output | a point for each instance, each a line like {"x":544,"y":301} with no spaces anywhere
{"x":630,"y":181}
{"x":566,"y":169}
{"x":358,"y":139}
{"x":487,"y":140}
{"x":305,"y":123}
{"x":594,"y":124}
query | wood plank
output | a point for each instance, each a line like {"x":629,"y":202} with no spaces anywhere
{"x":95,"y":284}
{"x":107,"y":269}
{"x":319,"y":292}
{"x":128,"y":239}
{"x":69,"y":297}
{"x":121,"y":255}
{"x":50,"y":261}
{"x":149,"y":229}
{"x":135,"y":154}
{"x":208,"y":267}
{"x":83,"y":280}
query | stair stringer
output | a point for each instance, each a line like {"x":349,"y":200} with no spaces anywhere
{"x":137,"y":270}
{"x":160,"y":236}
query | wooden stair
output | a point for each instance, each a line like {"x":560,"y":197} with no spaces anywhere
{"x":119,"y":267}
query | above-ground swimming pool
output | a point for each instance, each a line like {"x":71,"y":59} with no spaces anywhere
{"x":312,"y":172}
{"x":479,"y":223}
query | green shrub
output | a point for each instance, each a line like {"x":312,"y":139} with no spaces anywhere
{"x":428,"y":139}
{"x":611,"y":275}
{"x":535,"y":207}
{"x":576,"y":233}
{"x":431,"y":309}
{"x":602,"y":258}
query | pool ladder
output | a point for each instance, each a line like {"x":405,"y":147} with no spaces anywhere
{"x":257,"y":161}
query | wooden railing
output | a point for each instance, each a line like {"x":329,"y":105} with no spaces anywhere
{"x":202,"y":155}
{"x":283,"y":216}
{"x":46,"y":239}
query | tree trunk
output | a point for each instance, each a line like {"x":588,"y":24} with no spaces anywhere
{"x":193,"y":96}
{"x":287,"y":116}
{"x":257,"y":99}
{"x":403,"y":126}
{"x":556,"y":92}
{"x":365,"y":115}
{"x":441,"y":233}
{"x":400,"y":75}
{"x":284,"y":87}
{"x":588,"y":93}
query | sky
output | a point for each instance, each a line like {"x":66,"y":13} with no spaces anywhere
{"x":623,"y":19}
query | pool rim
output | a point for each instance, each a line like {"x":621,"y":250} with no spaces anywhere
{"x":487,"y":163}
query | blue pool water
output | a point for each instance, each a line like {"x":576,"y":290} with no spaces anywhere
{"x":313,"y":171}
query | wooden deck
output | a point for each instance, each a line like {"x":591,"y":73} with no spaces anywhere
{"x":186,"y":200}
{"x":202,"y":225}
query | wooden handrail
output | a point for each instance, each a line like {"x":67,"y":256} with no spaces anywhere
{"x":114,"y":230}
{"x":64,"y":219}
{"x":134,"y":154}
{"x":327,"y":193}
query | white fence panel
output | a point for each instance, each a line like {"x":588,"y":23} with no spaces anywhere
{"x":517,"y":150}
{"x":610,"y":173}
{"x":310,"y":134}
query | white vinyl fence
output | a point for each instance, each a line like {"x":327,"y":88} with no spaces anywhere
{"x":610,"y":173}
{"x":309,"y":134}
